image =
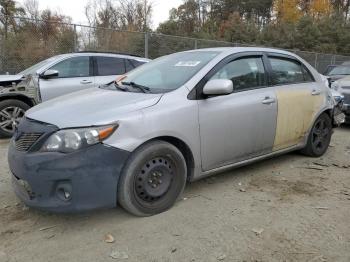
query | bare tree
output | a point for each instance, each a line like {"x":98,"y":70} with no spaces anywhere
{"x":31,"y":7}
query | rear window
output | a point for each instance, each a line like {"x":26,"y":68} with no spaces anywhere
{"x":107,"y":66}
{"x":286,"y":71}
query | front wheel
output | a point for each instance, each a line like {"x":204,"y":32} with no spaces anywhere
{"x":11,"y":113}
{"x":153,"y":179}
{"x":319,"y":137}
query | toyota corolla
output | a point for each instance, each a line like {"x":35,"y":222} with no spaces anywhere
{"x":179,"y":118}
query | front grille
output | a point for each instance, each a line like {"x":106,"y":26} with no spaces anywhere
{"x":25,"y":141}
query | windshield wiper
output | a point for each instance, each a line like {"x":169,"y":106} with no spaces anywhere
{"x":116,"y":85}
{"x":144,"y":89}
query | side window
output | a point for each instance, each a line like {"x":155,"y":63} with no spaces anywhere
{"x":108,"y":66}
{"x":245,"y":73}
{"x":308,"y":77}
{"x":286,"y":71}
{"x":73,"y":67}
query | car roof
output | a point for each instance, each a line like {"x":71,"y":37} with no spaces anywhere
{"x":233,"y":50}
{"x":126,"y":56}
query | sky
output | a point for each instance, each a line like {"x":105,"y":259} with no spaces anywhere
{"x":75,"y":9}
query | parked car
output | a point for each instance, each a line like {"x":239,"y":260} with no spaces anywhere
{"x":179,"y":118}
{"x":57,"y":76}
{"x":342,"y":86}
{"x":336,"y":72}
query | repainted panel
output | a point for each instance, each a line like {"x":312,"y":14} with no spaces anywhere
{"x":297,"y":109}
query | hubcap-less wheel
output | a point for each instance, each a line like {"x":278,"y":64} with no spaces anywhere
{"x":10,"y":117}
{"x":321,"y":135}
{"x":154,"y":179}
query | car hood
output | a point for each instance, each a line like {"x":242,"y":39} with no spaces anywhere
{"x":7,"y":78}
{"x":90,"y":107}
{"x":344,"y":80}
{"x":337,"y":77}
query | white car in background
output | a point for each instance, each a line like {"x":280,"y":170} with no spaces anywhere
{"x":56,"y":76}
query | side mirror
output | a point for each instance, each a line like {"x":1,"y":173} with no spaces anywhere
{"x":49,"y":74}
{"x":218,"y":87}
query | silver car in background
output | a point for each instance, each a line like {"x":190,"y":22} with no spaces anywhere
{"x":179,"y":118}
{"x":56,"y":76}
{"x":342,"y":86}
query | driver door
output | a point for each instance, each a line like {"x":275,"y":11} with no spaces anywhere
{"x":74,"y":74}
{"x":241,"y":125}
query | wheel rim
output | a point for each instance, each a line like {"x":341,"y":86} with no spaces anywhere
{"x":10,"y":117}
{"x":320,"y":135}
{"x":154,"y":180}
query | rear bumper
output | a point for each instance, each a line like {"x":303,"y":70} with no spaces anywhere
{"x":73,"y":182}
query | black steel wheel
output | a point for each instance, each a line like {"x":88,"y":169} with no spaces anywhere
{"x":153,"y":179}
{"x":319,"y":137}
{"x":11,"y":113}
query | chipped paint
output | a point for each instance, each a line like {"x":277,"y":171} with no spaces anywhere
{"x":296,"y":112}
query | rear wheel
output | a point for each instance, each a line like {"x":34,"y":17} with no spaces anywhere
{"x":153,"y":179}
{"x":319,"y":137}
{"x":11,"y":112}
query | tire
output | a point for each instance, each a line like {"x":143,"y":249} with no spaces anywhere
{"x":319,"y":137}
{"x":11,"y":112}
{"x":152,"y":180}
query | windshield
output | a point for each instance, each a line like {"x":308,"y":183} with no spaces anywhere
{"x":36,"y":67}
{"x":169,"y":72}
{"x":340,"y":70}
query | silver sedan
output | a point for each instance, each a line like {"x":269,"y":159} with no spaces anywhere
{"x":179,"y":118}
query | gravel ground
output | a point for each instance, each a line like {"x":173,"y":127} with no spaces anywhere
{"x":290,"y":208}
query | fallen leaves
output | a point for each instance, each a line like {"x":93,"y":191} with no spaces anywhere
{"x":109,"y":239}
{"x":258,"y":231}
{"x":47,"y":228}
{"x":221,"y":257}
{"x":119,"y":255}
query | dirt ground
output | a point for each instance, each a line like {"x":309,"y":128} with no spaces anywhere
{"x":290,"y":208}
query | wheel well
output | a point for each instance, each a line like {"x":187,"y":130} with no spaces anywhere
{"x":329,"y":112}
{"x":22,"y":98}
{"x":184,"y":149}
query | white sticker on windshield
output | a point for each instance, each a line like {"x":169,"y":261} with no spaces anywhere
{"x":188,"y":63}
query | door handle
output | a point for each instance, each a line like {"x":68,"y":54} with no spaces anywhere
{"x":268,"y":101}
{"x":85,"y":82}
{"x":315,"y":92}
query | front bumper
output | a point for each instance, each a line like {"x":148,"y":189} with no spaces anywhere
{"x":75,"y":182}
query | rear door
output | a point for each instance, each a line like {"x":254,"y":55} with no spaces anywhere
{"x":299,"y":99}
{"x":74,"y":74}
{"x":241,"y":125}
{"x":108,"y":68}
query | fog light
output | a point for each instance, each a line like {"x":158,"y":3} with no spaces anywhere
{"x":66,"y":195}
{"x":64,"y":192}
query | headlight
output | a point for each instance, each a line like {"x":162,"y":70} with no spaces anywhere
{"x":70,"y":140}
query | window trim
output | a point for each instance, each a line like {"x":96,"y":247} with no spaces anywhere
{"x":197,"y":92}
{"x":95,"y":65}
{"x":290,"y":58}
{"x":72,"y":57}
{"x":130,"y":63}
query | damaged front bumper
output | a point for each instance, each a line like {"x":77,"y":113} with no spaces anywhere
{"x":73,"y":182}
{"x":57,"y":182}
